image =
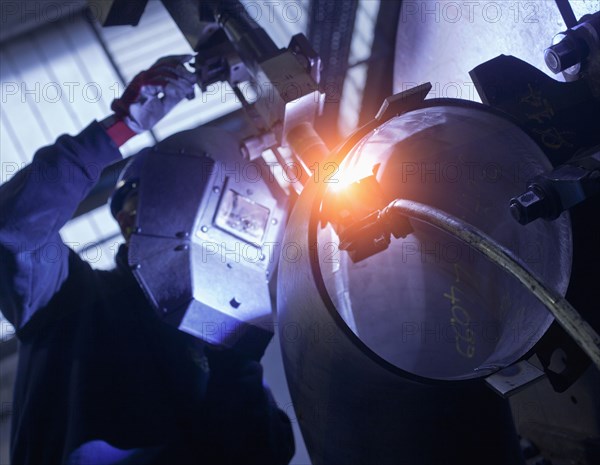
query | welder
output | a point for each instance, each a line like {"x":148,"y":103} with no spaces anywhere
{"x":101,"y":380}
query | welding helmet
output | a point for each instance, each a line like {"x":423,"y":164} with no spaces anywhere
{"x":206,"y":236}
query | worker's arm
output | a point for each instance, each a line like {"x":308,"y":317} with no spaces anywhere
{"x":34,"y":205}
{"x":37,"y":202}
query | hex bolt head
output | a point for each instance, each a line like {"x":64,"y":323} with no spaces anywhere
{"x":528,"y":206}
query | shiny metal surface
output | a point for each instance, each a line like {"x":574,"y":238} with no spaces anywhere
{"x":430,"y":304}
{"x":441,"y":41}
{"x":372,"y":349}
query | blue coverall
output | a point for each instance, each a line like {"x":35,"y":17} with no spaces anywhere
{"x":100,"y":379}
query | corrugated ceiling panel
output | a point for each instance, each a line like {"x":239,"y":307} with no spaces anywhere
{"x":49,"y":89}
{"x":12,"y":157}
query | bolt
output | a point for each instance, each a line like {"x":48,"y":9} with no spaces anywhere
{"x":528,"y":206}
{"x":561,"y":56}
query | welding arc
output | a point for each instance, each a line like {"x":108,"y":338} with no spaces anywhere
{"x":583,"y":334}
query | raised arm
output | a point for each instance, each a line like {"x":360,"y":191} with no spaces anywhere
{"x":34,"y":205}
{"x":37,"y":202}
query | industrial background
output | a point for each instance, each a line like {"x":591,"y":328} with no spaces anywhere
{"x":59,"y":69}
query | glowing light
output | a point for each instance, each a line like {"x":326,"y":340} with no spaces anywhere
{"x":351,"y":170}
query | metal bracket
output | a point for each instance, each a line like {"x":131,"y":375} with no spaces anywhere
{"x":402,"y":102}
{"x":514,"y":378}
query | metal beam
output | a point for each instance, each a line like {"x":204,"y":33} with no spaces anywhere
{"x":330,"y":32}
{"x":380,"y":73}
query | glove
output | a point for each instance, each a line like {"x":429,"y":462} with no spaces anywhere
{"x":154,"y":92}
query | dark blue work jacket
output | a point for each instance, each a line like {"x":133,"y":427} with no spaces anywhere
{"x":100,"y":379}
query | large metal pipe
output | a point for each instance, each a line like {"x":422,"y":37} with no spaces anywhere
{"x":385,"y":357}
